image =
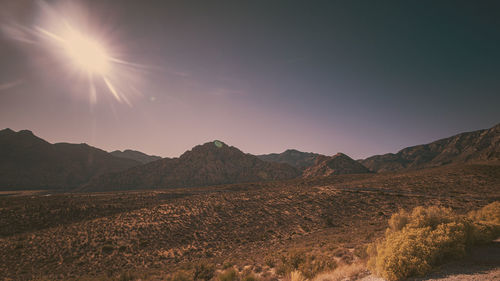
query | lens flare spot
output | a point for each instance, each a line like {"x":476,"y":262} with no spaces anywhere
{"x":218,"y":143}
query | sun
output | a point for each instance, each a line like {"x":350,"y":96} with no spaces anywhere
{"x":78,"y":42}
{"x":85,"y":52}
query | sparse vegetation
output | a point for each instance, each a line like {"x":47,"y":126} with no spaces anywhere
{"x":418,"y":240}
{"x":164,"y":235}
{"x":204,"y":271}
{"x":228,"y":275}
{"x":181,"y":276}
{"x":307,"y":264}
{"x":343,"y":272}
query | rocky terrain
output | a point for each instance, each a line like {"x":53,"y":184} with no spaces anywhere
{"x":64,"y":236}
{"x":209,"y":164}
{"x":135,"y":155}
{"x":481,"y":145}
{"x":29,"y":162}
{"x":334,"y":165}
{"x":298,"y":159}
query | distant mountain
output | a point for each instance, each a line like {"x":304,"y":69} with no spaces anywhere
{"x":135,"y":155}
{"x":209,"y":164}
{"x":298,"y":159}
{"x":334,"y":165}
{"x":482,"y":145}
{"x":29,"y":162}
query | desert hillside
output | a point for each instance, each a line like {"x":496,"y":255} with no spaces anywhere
{"x":209,"y":164}
{"x":481,"y":145}
{"x":29,"y":162}
{"x":337,"y":164}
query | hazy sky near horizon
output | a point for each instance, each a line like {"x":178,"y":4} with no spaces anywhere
{"x":359,"y":77}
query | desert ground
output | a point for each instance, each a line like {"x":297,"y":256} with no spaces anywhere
{"x":70,"y":236}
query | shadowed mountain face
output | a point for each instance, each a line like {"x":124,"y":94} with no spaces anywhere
{"x":135,"y":155}
{"x":334,"y":165}
{"x":209,"y":164}
{"x":29,"y":162}
{"x":298,"y":159}
{"x":482,"y":145}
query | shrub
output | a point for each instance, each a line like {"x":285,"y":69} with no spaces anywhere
{"x":180,"y":276}
{"x":417,"y":241}
{"x":126,"y":276}
{"x":308,"y":265}
{"x":486,"y":223}
{"x":361,"y":251}
{"x":249,"y":277}
{"x":291,"y":262}
{"x":345,"y":272}
{"x":269,"y":261}
{"x":204,"y":271}
{"x":316,"y":264}
{"x":228,"y":275}
{"x":488,"y":214}
{"x":296,"y":276}
{"x":107,"y":249}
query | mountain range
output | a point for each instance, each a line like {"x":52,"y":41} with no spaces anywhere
{"x":212,"y":163}
{"x":337,"y":164}
{"x":29,"y":162}
{"x":481,"y":145}
{"x":135,"y":155}
{"x":298,"y":159}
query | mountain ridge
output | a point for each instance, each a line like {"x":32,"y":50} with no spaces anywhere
{"x":211,"y":163}
{"x":337,"y":164}
{"x":29,"y":162}
{"x":135,"y":155}
{"x":298,"y":159}
{"x":479,"y":145}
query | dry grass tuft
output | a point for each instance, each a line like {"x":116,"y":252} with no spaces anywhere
{"x":343,"y":272}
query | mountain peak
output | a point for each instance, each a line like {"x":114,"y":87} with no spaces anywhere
{"x":135,"y":155}
{"x":334,"y":165}
{"x":26,"y":132}
{"x":341,"y":155}
{"x":7,"y":130}
{"x":298,"y":159}
{"x":210,"y":163}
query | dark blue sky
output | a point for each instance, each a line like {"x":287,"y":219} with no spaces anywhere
{"x":360,"y":77}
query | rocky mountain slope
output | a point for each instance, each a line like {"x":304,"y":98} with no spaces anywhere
{"x":334,"y":165}
{"x":298,"y":159}
{"x":135,"y":155}
{"x":481,"y":145}
{"x":29,"y":162}
{"x":208,"y":164}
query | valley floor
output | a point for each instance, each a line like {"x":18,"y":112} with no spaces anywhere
{"x":65,"y":236}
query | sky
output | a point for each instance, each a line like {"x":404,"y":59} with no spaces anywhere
{"x":358,"y":77}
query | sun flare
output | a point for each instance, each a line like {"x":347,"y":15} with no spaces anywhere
{"x":83,"y":51}
{"x":86,"y":53}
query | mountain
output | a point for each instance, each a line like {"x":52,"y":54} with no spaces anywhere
{"x":298,"y":159}
{"x":481,"y":145}
{"x":135,"y":155}
{"x":29,"y":162}
{"x":209,"y":164}
{"x":337,"y":164}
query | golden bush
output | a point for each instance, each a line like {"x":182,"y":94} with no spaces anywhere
{"x":428,"y":236}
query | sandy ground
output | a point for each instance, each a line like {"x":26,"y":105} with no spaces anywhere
{"x":483,"y":264}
